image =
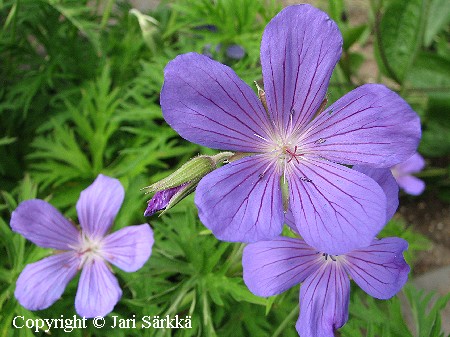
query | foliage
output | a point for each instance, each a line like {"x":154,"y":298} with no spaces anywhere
{"x":80,"y":96}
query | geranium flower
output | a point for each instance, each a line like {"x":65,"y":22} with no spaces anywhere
{"x":271,"y":267}
{"x":290,"y":156}
{"x":42,"y":283}
{"x":404,"y":171}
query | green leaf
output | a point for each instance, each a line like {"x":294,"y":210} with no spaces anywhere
{"x":235,"y":287}
{"x":437,"y":19}
{"x":7,"y":140}
{"x":352,"y":34}
{"x":76,"y":13}
{"x":399,"y":36}
{"x":426,"y":310}
{"x":378,"y":318}
{"x":430,"y":74}
{"x":435,"y":140}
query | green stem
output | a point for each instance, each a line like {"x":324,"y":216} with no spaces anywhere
{"x":433,"y":172}
{"x":234,"y":258}
{"x":106,"y":14}
{"x":288,"y":320}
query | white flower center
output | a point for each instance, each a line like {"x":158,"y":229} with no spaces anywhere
{"x":284,"y":152}
{"x":89,"y":249}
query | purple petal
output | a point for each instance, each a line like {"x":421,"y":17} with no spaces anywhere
{"x":161,"y":199}
{"x":380,"y":269}
{"x":241,"y":201}
{"x":411,"y":185}
{"x":299,"y":50}
{"x":413,"y":164}
{"x":371,"y":125}
{"x":386,"y":180}
{"x":324,"y":298}
{"x":98,"y":290}
{"x":336,"y":209}
{"x":42,"y":283}
{"x":208,"y":104}
{"x":129,"y":248}
{"x":271,"y":267}
{"x":44,"y":225}
{"x":99,"y":204}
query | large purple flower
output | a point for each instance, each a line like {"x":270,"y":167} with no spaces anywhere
{"x":271,"y":267}
{"x":404,"y":171}
{"x":290,"y":156}
{"x":42,"y":283}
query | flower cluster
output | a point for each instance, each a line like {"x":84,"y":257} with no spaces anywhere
{"x":88,"y":249}
{"x":324,"y":171}
{"x":327,"y":172}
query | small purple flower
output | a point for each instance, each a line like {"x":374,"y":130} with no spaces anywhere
{"x":235,"y":52}
{"x":404,"y":171}
{"x":291,"y":157}
{"x":42,"y":283}
{"x":271,"y":267}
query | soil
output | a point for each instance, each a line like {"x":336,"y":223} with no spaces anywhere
{"x":431,"y":217}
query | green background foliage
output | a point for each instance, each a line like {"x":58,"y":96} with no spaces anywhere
{"x":79,"y":96}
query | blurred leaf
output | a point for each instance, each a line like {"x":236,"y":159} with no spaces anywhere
{"x":374,"y":317}
{"x":78,"y":14}
{"x":444,"y":191}
{"x":399,"y":36}
{"x":430,"y":74}
{"x":234,"y":287}
{"x":352,"y":34}
{"x":437,"y":19}
{"x":416,"y":241}
{"x":435,"y":140}
{"x":336,"y":9}
{"x":356,"y":61}
{"x":426,"y":309}
{"x":7,"y":140}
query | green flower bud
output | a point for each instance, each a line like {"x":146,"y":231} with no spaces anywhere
{"x":182,"y":182}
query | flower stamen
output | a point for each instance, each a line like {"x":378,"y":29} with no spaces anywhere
{"x":332,"y":257}
{"x":293,"y":155}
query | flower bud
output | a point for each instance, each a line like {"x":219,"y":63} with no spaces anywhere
{"x":182,"y":182}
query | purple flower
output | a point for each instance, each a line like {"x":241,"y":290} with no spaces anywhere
{"x":235,"y":52}
{"x":271,"y":267}
{"x":42,"y":283}
{"x":404,"y":171}
{"x":290,"y":156}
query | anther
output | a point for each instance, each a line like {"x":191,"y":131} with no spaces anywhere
{"x":320,"y":141}
{"x":325,"y":255}
{"x":262,"y":97}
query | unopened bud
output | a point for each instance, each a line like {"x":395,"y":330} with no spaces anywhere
{"x":182,"y":182}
